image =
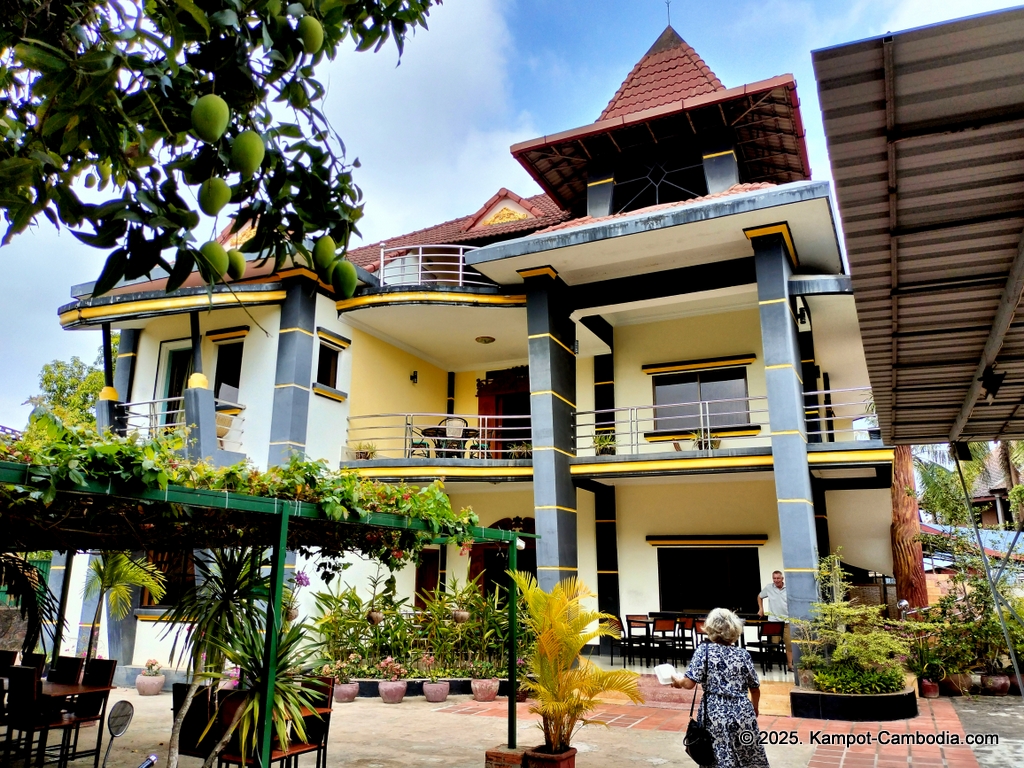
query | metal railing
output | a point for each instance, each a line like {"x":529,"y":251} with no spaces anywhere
{"x":439,"y":436}
{"x":839,"y":415}
{"x":429,"y":265}
{"x":149,"y":418}
{"x":9,"y":432}
{"x":703,"y":426}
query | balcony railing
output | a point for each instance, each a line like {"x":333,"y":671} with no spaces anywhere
{"x":149,"y":418}
{"x":703,"y":426}
{"x":438,"y":436}
{"x":429,"y":265}
{"x":839,"y":415}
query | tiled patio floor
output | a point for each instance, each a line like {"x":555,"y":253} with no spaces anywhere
{"x":936,"y":717}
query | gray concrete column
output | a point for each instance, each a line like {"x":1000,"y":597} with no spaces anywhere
{"x":552,"y":338}
{"x":85,"y":625}
{"x":295,"y":348}
{"x":788,"y":427}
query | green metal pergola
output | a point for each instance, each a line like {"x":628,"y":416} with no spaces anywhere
{"x":279,"y":512}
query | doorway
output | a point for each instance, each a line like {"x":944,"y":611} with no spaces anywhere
{"x":489,"y":562}
{"x":702,"y":578}
{"x":503,"y":404}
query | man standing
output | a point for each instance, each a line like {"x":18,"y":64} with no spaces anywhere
{"x":772,"y":602}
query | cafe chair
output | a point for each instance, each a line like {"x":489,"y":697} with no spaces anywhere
{"x":770,"y":644}
{"x":684,"y":636}
{"x":320,"y":691}
{"x":91,"y":707}
{"x":28,"y":716}
{"x":663,"y":637}
{"x":37,"y":660}
{"x":67,"y":670}
{"x":638,"y":632}
{"x":232,"y":753}
{"x":618,"y":640}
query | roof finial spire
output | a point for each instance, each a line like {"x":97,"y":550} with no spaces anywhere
{"x":668,"y":11}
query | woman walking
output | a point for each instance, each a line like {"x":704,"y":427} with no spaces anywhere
{"x":726,"y":674}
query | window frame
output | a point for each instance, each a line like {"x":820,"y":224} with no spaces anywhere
{"x":662,"y":424}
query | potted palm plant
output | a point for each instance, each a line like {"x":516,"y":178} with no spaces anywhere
{"x":564,"y":685}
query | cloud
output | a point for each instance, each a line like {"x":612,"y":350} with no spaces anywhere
{"x":432,"y":134}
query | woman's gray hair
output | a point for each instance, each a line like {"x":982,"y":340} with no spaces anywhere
{"x":723,"y":626}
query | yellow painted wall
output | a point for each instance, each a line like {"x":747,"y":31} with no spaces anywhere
{"x":859,"y":522}
{"x":380,"y":384}
{"x":465,"y":392}
{"x":585,"y":402}
{"x":742,"y":504}
{"x":491,"y":503}
{"x":689,"y":338}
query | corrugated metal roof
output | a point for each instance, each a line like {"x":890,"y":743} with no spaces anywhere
{"x":925,"y":132}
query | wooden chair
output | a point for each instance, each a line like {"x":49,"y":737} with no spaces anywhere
{"x":770,"y":644}
{"x":191,"y":741}
{"x":685,"y":636}
{"x":664,"y":638}
{"x":232,"y":753}
{"x":91,"y":707}
{"x":638,"y":633}
{"x":7,"y":659}
{"x":618,"y":640}
{"x":318,"y":724}
{"x":67,"y":670}
{"x":698,"y":632}
{"x":28,"y":717}
{"x":37,"y":660}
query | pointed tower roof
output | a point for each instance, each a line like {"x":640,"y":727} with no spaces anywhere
{"x":669,"y":72}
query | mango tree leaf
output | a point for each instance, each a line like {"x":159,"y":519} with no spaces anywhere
{"x":196,"y":13}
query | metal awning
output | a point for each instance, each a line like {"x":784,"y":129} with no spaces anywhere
{"x":925,"y":131}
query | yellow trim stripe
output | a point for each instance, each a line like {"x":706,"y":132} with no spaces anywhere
{"x":836,"y":457}
{"x":708,"y":542}
{"x":800,"y":570}
{"x":781,"y":228}
{"x":552,"y":448}
{"x":548,"y":335}
{"x":333,"y":341}
{"x":126,"y":354}
{"x":700,"y":365}
{"x":294,"y":330}
{"x":443,"y":471}
{"x":538,"y":272}
{"x":779,"y":365}
{"x":378,"y":299}
{"x":57,"y":568}
{"x":714,"y":462}
{"x":288,"y":442}
{"x":297,"y":386}
{"x":693,"y":435}
{"x":795,"y":501}
{"x":555,"y":506}
{"x":602,"y":383}
{"x":557,"y":568}
{"x":772,"y":301}
{"x":720,"y":154}
{"x":606,"y":573}
{"x":170,"y":304}
{"x":338,"y":397}
{"x":555,"y":394}
{"x":609,"y":180}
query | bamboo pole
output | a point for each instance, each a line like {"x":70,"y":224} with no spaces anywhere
{"x":512,"y":645}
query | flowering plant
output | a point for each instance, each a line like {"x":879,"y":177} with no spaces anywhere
{"x":432,"y":670}
{"x":152,"y":668}
{"x":342,"y":671}
{"x":295,"y":583}
{"x":389,"y":669}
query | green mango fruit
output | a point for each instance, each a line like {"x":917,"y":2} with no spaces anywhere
{"x":247,"y":152}
{"x":90,"y":181}
{"x":312,"y":34}
{"x":323,"y":252}
{"x":216,"y":258}
{"x":236,"y":264}
{"x":210,"y":117}
{"x":214,"y":194}
{"x":274,"y":7}
{"x":344,"y":278}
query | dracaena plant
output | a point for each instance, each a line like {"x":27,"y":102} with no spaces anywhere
{"x":140,"y":100}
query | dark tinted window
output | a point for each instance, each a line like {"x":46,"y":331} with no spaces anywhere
{"x":685,"y":585}
{"x":229,"y":371}
{"x":327,"y":367}
{"x":680,"y":397}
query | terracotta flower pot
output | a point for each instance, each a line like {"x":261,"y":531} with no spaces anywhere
{"x":484,"y":690}
{"x":460,"y":617}
{"x":955,"y":684}
{"x":149,"y":685}
{"x":522,"y":695}
{"x":929,"y":689}
{"x":375,"y":617}
{"x":436,"y":692}
{"x":391,"y":692}
{"x":291,"y":614}
{"x":995,"y":685}
{"x":536,"y":758}
{"x":346,"y":692}
{"x":805,"y":678}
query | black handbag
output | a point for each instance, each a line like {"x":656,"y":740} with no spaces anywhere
{"x":698,"y":741}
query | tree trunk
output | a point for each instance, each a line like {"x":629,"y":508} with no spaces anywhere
{"x":907,"y":558}
{"x":225,"y":738}
{"x":179,"y":718}
{"x":94,"y":630}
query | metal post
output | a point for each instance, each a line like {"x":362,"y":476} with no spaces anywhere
{"x":197,"y":343}
{"x":513,"y":658}
{"x":108,"y":358}
{"x":65,"y":588}
{"x":265,"y":723}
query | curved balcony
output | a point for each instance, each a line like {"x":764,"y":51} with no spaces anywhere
{"x":430,"y":445}
{"x":149,"y":418}
{"x":429,"y":265}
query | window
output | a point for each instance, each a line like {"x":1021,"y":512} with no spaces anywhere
{"x":736,"y":582}
{"x":686,"y":402}
{"x":179,"y":574}
{"x":229,"y":371}
{"x":327,"y":367}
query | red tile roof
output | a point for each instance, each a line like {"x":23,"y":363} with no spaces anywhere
{"x":736,"y":189}
{"x":463,"y":230}
{"x":669,"y":72}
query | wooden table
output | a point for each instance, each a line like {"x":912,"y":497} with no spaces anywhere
{"x":66,"y":690}
{"x":62,"y":692}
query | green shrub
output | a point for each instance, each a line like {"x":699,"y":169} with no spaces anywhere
{"x":848,"y":679}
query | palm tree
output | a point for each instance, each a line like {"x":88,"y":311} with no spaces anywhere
{"x":113,"y":575}
{"x":27,"y":588}
{"x":229,"y":583}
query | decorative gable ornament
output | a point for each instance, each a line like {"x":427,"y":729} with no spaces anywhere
{"x":503,"y":216}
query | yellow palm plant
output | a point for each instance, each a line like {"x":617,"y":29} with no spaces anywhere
{"x":565,"y":685}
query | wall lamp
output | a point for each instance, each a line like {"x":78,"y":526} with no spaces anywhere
{"x":414,"y":377}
